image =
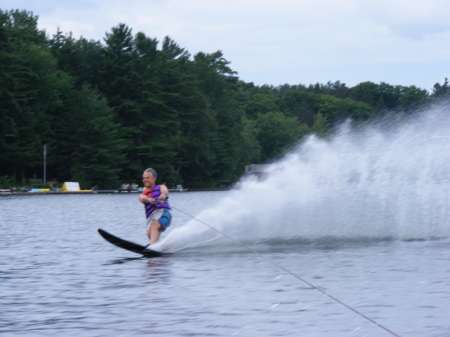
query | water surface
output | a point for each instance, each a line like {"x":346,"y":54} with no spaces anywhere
{"x":60,"y":278}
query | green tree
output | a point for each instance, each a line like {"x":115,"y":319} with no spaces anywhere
{"x":260,"y":100}
{"x":87,"y":146}
{"x":320,"y":126}
{"x":336,"y":89}
{"x":441,"y":90}
{"x":220,"y":87}
{"x":412,"y":98}
{"x":35,"y":86}
{"x":121,"y":85}
{"x":336,"y":110}
{"x":23,"y":29}
{"x":79,"y":58}
{"x":369,"y":93}
{"x":9,"y":107}
{"x":386,"y":97}
{"x":166,"y":93}
{"x":250,"y":149}
{"x":301,"y":105}
{"x":119,"y":72}
{"x":277,"y":133}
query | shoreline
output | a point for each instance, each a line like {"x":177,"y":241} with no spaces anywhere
{"x":9,"y":193}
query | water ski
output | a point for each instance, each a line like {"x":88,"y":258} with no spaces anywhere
{"x":131,"y":246}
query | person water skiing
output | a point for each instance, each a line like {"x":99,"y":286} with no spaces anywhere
{"x":157,"y":208}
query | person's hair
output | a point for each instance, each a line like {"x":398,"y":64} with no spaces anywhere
{"x":152,"y":171}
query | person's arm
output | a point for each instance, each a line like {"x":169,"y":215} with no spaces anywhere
{"x":145,"y":199}
{"x":164,"y":193}
{"x":142,"y":198}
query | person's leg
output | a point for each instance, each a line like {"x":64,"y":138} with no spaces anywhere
{"x":160,"y":220}
{"x":153,"y":231}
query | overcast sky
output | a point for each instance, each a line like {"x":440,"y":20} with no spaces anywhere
{"x":400,"y":42}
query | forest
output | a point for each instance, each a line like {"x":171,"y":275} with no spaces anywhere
{"x":106,"y":110}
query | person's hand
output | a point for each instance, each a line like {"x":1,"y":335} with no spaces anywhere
{"x":149,"y":200}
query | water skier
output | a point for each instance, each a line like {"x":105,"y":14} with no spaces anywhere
{"x":157,"y":208}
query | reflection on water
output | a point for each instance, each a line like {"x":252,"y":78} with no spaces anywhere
{"x":125,"y":260}
{"x":158,"y":270}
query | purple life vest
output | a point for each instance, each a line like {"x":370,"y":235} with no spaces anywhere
{"x":155,"y":192}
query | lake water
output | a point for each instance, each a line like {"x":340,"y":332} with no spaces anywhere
{"x":344,"y":237}
{"x":60,"y":278}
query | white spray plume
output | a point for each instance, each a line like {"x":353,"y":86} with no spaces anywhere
{"x":387,"y":180}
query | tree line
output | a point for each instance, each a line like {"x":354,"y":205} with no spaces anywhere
{"x":106,"y":110}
